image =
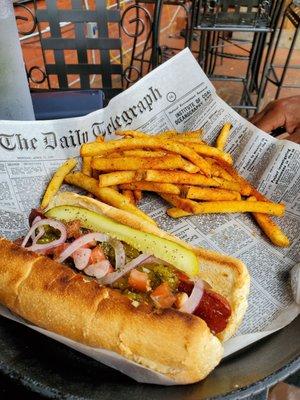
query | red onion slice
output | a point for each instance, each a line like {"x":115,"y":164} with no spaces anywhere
{"x":54,"y":224}
{"x":113,"y":276}
{"x":193,"y":301}
{"x":120,"y":257}
{"x":41,"y":232}
{"x":81,"y":258}
{"x":99,"y":269}
{"x":78,"y":243}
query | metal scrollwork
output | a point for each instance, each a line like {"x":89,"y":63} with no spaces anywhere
{"x":31,"y":75}
{"x":139,"y":21}
{"x":30,"y":17}
{"x":142,"y":22}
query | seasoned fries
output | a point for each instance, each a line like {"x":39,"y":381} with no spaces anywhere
{"x":152,"y":187}
{"x":185,"y":178}
{"x":177,"y":213}
{"x":119,"y":177}
{"x":223,"y":136}
{"x":193,"y":177}
{"x":205,"y":150}
{"x":216,"y":207}
{"x":86,"y":166}
{"x":97,"y":149}
{"x":172,"y":161}
{"x":57,"y":181}
{"x":270,"y":228}
{"x":129,"y":195}
{"x":138,"y":195}
{"x":107,"y":195}
{"x":201,"y":193}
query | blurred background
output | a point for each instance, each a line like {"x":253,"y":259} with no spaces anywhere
{"x":250,"y":49}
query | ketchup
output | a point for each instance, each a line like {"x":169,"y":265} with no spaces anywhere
{"x":213,"y":308}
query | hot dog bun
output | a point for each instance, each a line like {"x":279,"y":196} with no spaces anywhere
{"x":227,"y":275}
{"x":56,"y":298}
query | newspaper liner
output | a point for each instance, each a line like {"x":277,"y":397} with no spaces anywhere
{"x":168,"y":98}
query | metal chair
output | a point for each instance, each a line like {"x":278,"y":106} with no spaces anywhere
{"x":211,"y":19}
{"x":292,"y":13}
{"x":147,"y":51}
{"x":92,"y":64}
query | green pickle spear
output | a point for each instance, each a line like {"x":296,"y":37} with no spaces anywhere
{"x":173,"y":253}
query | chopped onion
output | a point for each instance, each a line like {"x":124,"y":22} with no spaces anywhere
{"x":120,"y":256}
{"x":113,"y":276}
{"x":54,"y":224}
{"x":78,"y":243}
{"x":194,"y":299}
{"x":81,"y":258}
{"x":99,"y":269}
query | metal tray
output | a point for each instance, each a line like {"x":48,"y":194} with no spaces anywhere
{"x":53,"y":370}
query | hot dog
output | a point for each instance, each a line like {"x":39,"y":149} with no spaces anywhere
{"x":163,"y":313}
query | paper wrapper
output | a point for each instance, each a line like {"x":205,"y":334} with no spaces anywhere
{"x":177,"y":95}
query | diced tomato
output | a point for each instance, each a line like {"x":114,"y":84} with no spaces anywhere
{"x":96,"y":255}
{"x":139,"y":281}
{"x":213,"y":308}
{"x":163,"y":296}
{"x":182,"y":276}
{"x":89,"y":245}
{"x":56,"y":251}
{"x":73,"y":229}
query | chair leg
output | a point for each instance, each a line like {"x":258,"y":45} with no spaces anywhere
{"x":286,"y":65}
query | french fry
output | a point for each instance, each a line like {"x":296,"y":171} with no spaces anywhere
{"x":213,"y":207}
{"x":167,"y":134}
{"x":206,"y":150}
{"x":177,"y":212}
{"x":95,"y":149}
{"x":230,"y":185}
{"x":99,"y":139}
{"x":246,"y":188}
{"x":132,"y":134}
{"x":182,"y":136}
{"x":217,"y":170}
{"x":270,"y":228}
{"x":107,"y":195}
{"x":172,"y":161}
{"x":223,"y":136}
{"x":129,"y":195}
{"x":209,"y":194}
{"x":57,"y":181}
{"x":184,"y":178}
{"x":186,"y":140}
{"x":152,"y":187}
{"x":119,"y":177}
{"x":86,"y":166}
{"x":143,"y":153}
{"x":138,"y":195}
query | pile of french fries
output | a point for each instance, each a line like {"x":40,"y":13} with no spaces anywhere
{"x":193,"y":177}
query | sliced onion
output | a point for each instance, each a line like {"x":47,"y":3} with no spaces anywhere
{"x":99,"y":269}
{"x":78,"y":243}
{"x":195,"y":297}
{"x":36,"y":219}
{"x":81,"y":258}
{"x":54,"y":224}
{"x":113,"y":276}
{"x":120,"y":257}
